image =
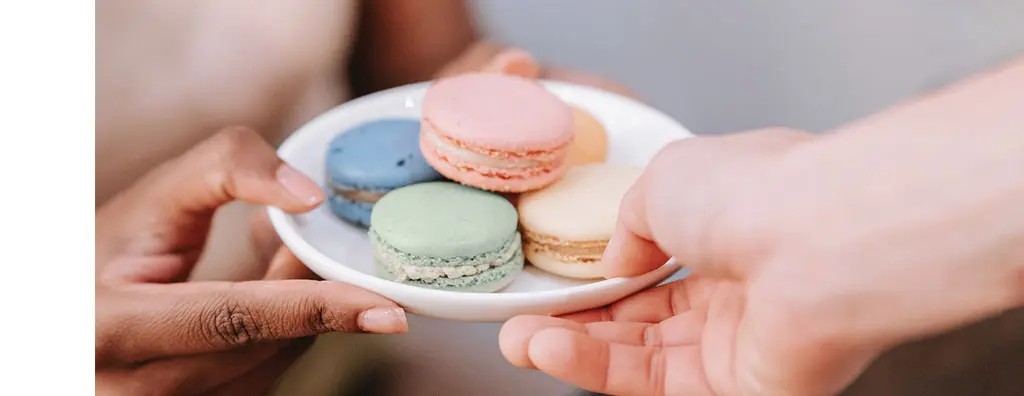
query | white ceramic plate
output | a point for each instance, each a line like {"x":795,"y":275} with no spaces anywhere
{"x":338,"y":251}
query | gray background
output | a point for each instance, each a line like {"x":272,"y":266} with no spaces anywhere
{"x":729,"y":65}
{"x":721,"y":66}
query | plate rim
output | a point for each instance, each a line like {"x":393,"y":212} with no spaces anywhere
{"x":291,"y":238}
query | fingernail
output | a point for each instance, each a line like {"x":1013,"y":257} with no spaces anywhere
{"x":299,"y":185}
{"x":383,"y":321}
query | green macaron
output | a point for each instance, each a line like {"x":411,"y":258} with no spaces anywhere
{"x":446,"y":236}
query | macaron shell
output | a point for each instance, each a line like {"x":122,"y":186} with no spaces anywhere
{"x":590,"y":141}
{"x":498,"y":112}
{"x":354,"y":212}
{"x":582,"y":206}
{"x":441,"y":219}
{"x":378,"y":156}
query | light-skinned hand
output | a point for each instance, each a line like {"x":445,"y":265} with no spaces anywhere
{"x":811,"y":255}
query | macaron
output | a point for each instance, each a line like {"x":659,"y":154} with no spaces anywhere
{"x":366,"y":161}
{"x":496,"y":132}
{"x":446,"y":236}
{"x":590,"y":140}
{"x":566,"y":227}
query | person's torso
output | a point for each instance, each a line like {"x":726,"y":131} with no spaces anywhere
{"x":170,"y":73}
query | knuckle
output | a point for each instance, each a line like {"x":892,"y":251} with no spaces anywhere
{"x":231,"y":142}
{"x":320,"y":318}
{"x":228,"y":322}
{"x":232,"y":154}
{"x":676,"y":159}
{"x":238,"y":136}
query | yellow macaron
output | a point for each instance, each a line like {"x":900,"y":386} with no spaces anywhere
{"x":590,"y":140}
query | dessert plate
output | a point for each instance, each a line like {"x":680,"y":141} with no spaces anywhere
{"x":338,"y":251}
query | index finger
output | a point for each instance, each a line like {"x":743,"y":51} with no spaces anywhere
{"x":631,"y":249}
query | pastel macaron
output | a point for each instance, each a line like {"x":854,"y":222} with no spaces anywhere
{"x":446,"y":236}
{"x":590,"y":140}
{"x":496,"y":132}
{"x":370,"y":159}
{"x":566,"y":226}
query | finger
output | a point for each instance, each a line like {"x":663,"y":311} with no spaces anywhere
{"x":262,"y":379}
{"x":631,"y":250}
{"x":285,"y":265}
{"x":166,"y":320}
{"x":513,"y":61}
{"x":690,"y":204}
{"x":607,"y":367}
{"x":165,"y":268}
{"x":684,"y":329}
{"x":236,"y":163}
{"x":264,"y":239}
{"x":169,"y":211}
{"x":196,"y":374}
{"x":514,"y":336}
{"x":650,"y":306}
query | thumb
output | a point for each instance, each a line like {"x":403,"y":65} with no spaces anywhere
{"x":169,"y":211}
{"x":236,"y":163}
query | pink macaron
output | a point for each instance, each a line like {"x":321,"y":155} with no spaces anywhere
{"x":496,"y":132}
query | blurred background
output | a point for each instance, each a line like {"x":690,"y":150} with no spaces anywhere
{"x":722,"y":66}
{"x":717,"y":66}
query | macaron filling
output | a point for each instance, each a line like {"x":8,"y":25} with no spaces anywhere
{"x":567,"y":251}
{"x":489,"y":162}
{"x":404,"y":266}
{"x":463,"y":155}
{"x":367,"y":196}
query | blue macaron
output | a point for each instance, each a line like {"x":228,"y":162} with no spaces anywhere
{"x":371,"y":159}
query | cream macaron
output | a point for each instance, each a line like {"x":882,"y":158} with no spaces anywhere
{"x":567,"y":225}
